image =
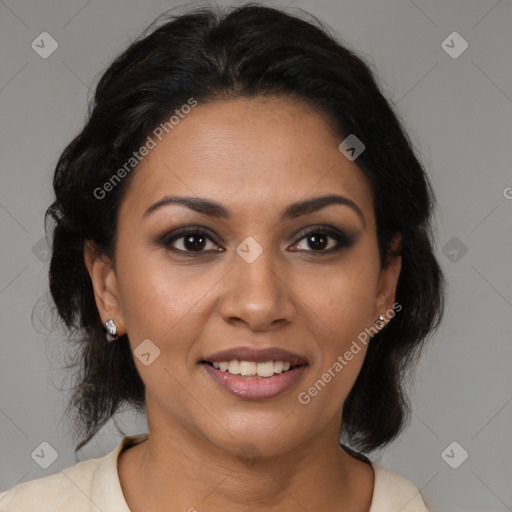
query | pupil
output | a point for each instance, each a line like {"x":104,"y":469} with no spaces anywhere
{"x":316,"y":241}
{"x":191,"y":245}
{"x":319,"y":241}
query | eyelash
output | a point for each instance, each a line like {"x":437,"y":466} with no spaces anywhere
{"x":343,"y":240}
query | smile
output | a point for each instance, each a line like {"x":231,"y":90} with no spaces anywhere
{"x":254,"y":381}
{"x":252,"y":368}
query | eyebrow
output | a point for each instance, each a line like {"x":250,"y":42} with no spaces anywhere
{"x":294,"y":210}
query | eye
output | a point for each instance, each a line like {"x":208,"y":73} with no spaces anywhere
{"x":189,"y":240}
{"x":318,"y":237}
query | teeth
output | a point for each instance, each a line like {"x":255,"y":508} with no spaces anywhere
{"x":265,"y":369}
{"x":234,"y":367}
{"x":251,"y":368}
{"x":248,"y":368}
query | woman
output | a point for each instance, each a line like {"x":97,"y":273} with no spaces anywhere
{"x":242,"y":243}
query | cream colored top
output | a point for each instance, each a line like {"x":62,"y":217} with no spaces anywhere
{"x":93,"y":485}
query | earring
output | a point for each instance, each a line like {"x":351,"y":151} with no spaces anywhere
{"x":381,"y":321}
{"x":111,"y":328}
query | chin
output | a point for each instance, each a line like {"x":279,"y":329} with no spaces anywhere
{"x":264,"y":434}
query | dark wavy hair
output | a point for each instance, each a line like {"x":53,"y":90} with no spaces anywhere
{"x":248,"y":51}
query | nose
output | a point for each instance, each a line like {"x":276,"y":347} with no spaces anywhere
{"x":257,"y":294}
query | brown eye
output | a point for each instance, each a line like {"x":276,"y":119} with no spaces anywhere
{"x":191,"y":240}
{"x":324,"y":240}
{"x":188,"y":240}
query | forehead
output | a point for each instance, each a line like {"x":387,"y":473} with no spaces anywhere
{"x":251,"y":155}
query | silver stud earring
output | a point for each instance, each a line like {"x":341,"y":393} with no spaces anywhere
{"x":111,"y":328}
{"x":380,"y":320}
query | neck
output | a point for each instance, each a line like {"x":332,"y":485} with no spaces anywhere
{"x":180,"y":468}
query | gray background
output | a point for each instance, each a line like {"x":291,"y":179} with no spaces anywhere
{"x":458,"y":113}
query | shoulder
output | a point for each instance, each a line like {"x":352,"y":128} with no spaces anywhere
{"x":89,"y":485}
{"x":67,"y":490}
{"x":393,"y":492}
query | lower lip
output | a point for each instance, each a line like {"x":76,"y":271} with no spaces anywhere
{"x":255,"y":388}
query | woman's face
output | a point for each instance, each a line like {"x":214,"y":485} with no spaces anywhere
{"x":254,"y":279}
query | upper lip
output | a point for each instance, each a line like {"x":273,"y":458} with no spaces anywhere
{"x":257,"y":355}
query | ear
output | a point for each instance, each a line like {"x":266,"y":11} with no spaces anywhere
{"x":104,"y":282}
{"x":388,"y":279}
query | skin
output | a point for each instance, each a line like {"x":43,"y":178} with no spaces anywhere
{"x":255,"y":157}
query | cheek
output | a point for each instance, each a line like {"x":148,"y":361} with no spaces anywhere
{"x":339,"y":300}
{"x":338,"y":306}
{"x":336,"y":314}
{"x":163,"y":301}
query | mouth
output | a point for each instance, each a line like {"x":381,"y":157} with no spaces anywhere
{"x":254,"y":374}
